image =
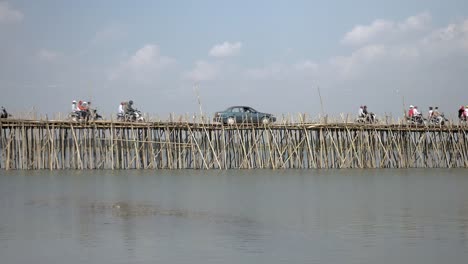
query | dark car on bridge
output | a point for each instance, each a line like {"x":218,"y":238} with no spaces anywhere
{"x":243,"y":114}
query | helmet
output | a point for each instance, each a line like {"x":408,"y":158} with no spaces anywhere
{"x":85,"y":104}
{"x":411,"y":106}
{"x":430,"y":107}
{"x":74,"y":101}
{"x":130,"y":102}
{"x":365,"y":106}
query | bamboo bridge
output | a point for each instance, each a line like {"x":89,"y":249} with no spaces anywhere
{"x":29,"y":144}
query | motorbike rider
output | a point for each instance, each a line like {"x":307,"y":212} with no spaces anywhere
{"x":435,"y":117}
{"x":411,"y":111}
{"x":431,"y":112}
{"x":83,"y":109}
{"x":121,"y":109}
{"x":436,"y":112}
{"x":461,"y":111}
{"x":364,"y":110}
{"x":414,"y":115}
{"x":4,"y":113}
{"x":128,"y":107}
{"x":361,"y":112}
{"x":368,"y":115}
{"x":74,"y":107}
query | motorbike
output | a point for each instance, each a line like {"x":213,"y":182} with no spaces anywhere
{"x":439,"y":120}
{"x":91,"y":114}
{"x":462,"y":120}
{"x":416,"y":120}
{"x":131,"y":116}
{"x":368,"y":119}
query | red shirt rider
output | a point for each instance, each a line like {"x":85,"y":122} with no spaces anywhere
{"x":411,"y":112}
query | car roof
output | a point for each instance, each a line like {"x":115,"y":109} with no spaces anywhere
{"x":240,"y":106}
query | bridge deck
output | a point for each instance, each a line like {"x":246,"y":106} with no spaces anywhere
{"x":6,"y":123}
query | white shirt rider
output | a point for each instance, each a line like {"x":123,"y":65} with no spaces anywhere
{"x":361,"y":112}
{"x":74,"y":107}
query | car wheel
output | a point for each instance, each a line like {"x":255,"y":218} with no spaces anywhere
{"x":265,"y":120}
{"x":230,"y":121}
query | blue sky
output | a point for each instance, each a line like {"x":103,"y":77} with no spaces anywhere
{"x":271,"y":55}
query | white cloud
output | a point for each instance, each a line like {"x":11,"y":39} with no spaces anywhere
{"x":48,"y":55}
{"x":203,"y":71}
{"x":450,"y":33}
{"x":348,"y":66}
{"x":382,"y":30}
{"x":361,"y":34}
{"x":226,"y":49}
{"x":144,"y":65}
{"x":8,"y":14}
{"x":418,"y":22}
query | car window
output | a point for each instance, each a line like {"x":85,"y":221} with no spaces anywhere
{"x":237,"y":110}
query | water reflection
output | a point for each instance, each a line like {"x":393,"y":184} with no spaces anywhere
{"x":345,"y":216}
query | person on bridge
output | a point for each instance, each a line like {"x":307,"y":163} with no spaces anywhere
{"x":461,"y":111}
{"x":361,"y":112}
{"x":4,"y":113}
{"x":411,"y":111}
{"x":431,"y":112}
{"x":121,"y":110}
{"x":364,"y":110}
{"x":74,"y":107}
{"x":83,"y":108}
{"x":128,"y":107}
{"x":436,"y":112}
{"x":415,"y":111}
